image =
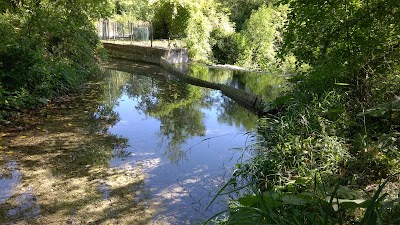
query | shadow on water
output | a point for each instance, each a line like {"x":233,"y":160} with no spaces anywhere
{"x":55,"y":165}
{"x":134,"y":147}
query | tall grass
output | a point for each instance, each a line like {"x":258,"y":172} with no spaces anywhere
{"x":316,"y":163}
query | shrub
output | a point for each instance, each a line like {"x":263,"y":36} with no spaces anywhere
{"x":257,"y":43}
{"x":194,"y":22}
{"x":49,"y":49}
{"x":171,"y":19}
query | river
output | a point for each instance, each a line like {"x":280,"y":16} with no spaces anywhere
{"x":133,"y":146}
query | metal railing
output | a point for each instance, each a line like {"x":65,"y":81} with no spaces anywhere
{"x":126,"y":31}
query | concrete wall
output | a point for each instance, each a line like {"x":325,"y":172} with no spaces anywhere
{"x":147,"y":54}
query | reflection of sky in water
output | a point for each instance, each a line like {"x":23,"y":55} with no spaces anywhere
{"x":184,"y":186}
{"x":27,"y":206}
{"x":9,"y":179}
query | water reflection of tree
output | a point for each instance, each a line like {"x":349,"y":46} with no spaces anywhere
{"x":233,"y":114}
{"x":267,"y":86}
{"x":178,"y":108}
{"x":211,"y":75}
{"x":109,"y":91}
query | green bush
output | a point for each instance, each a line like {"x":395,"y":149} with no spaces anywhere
{"x":318,"y":205}
{"x":171,"y":19}
{"x":193,"y":22}
{"x":226,"y":47}
{"x":47,"y":49}
{"x":338,"y":125}
{"x":257,"y":43}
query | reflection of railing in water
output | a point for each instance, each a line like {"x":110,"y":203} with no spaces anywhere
{"x":248,"y":100}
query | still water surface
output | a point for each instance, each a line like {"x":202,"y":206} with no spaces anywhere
{"x":138,"y":148}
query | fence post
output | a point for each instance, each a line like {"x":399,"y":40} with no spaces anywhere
{"x":123,"y":31}
{"x":151,"y":34}
{"x":107,"y":30}
{"x":114,"y":29}
{"x":131,"y":33}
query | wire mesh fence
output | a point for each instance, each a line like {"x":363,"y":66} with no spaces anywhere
{"x":136,"y":33}
{"x":124,"y":31}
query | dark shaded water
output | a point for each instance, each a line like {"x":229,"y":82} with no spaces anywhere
{"x":168,"y":147}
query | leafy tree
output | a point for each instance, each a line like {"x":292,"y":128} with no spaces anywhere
{"x":194,"y":22}
{"x":170,"y":19}
{"x":49,"y":48}
{"x":257,"y":44}
{"x":262,"y":37}
{"x":241,"y":10}
{"x":353,"y":48}
{"x":339,"y":123}
{"x":358,"y":42}
{"x":140,"y":10}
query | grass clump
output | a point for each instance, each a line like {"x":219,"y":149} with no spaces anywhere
{"x":318,"y":162}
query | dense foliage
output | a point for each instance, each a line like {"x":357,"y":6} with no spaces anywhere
{"x":207,"y":29}
{"x":258,"y":42}
{"x":132,"y":10}
{"x":47,"y":48}
{"x":336,"y":132}
{"x":194,"y":22}
{"x":241,"y":10}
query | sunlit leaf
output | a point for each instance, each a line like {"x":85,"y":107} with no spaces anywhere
{"x":248,"y":200}
{"x":43,"y":100}
{"x":293,"y":200}
{"x":348,"y":203}
{"x":381,"y":109}
{"x":345,"y":192}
